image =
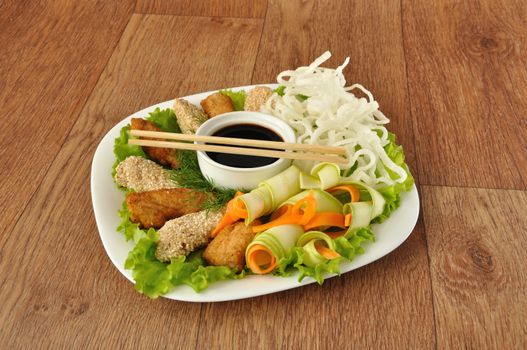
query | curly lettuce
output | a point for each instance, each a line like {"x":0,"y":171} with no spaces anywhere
{"x":392,"y":194}
{"x":122,"y":150}
{"x":154,"y":278}
{"x":164,"y":119}
{"x":130,"y":230}
{"x":347,"y":246}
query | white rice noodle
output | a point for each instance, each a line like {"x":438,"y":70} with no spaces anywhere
{"x":334,"y":116}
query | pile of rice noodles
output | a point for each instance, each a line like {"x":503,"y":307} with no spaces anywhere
{"x":332,"y":115}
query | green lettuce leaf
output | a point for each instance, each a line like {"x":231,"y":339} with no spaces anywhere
{"x":237,"y":98}
{"x":122,"y":150}
{"x":151,"y":276}
{"x":318,"y":271}
{"x":347,"y":247}
{"x":392,"y":194}
{"x":164,"y":119}
{"x":280,"y":90}
{"x":192,"y":272}
{"x":129,"y":229}
{"x":154,"y":278}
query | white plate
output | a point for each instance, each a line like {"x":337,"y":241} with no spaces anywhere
{"x":107,"y":200}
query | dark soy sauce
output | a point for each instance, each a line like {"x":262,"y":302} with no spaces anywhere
{"x":245,"y":131}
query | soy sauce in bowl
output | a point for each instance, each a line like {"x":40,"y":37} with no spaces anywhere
{"x":245,"y":131}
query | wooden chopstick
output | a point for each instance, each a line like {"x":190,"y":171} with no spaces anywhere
{"x":240,"y":142}
{"x":239,"y":150}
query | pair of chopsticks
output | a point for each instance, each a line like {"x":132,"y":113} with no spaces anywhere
{"x":287,"y":150}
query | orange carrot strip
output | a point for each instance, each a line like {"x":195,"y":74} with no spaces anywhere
{"x":227,"y":220}
{"x":347,"y":219}
{"x":326,"y":219}
{"x":352,"y":190}
{"x":260,"y":259}
{"x":232,"y":214}
{"x":238,"y":208}
{"x":310,"y":210}
{"x":293,"y":215}
{"x":326,"y":252}
{"x":281,"y":211}
{"x":286,"y":218}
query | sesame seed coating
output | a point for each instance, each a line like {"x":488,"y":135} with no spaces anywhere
{"x":182,"y":236}
{"x":257,"y":97}
{"x":189,"y":117}
{"x":141,"y":175}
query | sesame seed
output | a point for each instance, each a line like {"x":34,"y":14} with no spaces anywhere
{"x":141,"y":175}
{"x":183,"y":235}
{"x":257,"y":97}
{"x":189,"y":116}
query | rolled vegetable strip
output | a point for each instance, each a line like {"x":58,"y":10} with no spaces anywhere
{"x":262,"y":200}
{"x":303,"y":210}
{"x":270,"y":246}
{"x":260,"y":259}
{"x":282,"y":186}
{"x":352,"y":190}
{"x":328,"y":213}
{"x":270,"y":194}
{"x":326,"y":219}
{"x":256,"y":203}
{"x":318,"y":248}
{"x":325,"y":201}
{"x":310,"y":209}
{"x":363,"y":212}
{"x":327,"y":173}
{"x":360,"y":214}
{"x":323,"y":176}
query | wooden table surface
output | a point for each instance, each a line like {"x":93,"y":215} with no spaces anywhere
{"x":451,"y":75}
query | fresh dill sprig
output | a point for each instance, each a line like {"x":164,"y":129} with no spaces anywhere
{"x":188,"y":175}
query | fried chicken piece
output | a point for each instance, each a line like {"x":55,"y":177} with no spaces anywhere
{"x":217,"y":103}
{"x":189,"y":117}
{"x":183,"y":235}
{"x":163,"y":156}
{"x":154,"y":208}
{"x":228,"y":247}
{"x":257,"y":97}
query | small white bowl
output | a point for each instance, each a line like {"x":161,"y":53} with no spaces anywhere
{"x":242,"y":178}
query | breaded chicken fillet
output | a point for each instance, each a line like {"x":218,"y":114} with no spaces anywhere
{"x":183,"y":235}
{"x":189,"y":117}
{"x":257,"y":97}
{"x":228,"y":247}
{"x":217,"y":103}
{"x":163,"y":156}
{"x":154,"y":208}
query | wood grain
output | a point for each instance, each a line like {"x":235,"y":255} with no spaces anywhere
{"x":58,"y":286}
{"x":215,"y":8}
{"x":368,"y":307}
{"x":477,"y":244}
{"x":467,"y":71}
{"x":52,"y":55}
